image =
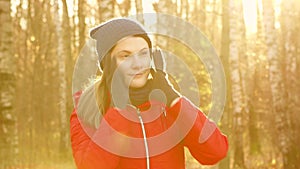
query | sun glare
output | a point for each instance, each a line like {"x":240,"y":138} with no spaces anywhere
{"x":249,"y":7}
{"x":250,"y":15}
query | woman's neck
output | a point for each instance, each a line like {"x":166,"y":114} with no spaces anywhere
{"x":140,"y":95}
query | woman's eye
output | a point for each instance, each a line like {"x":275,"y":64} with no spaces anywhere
{"x":123,"y":56}
{"x":144,"y":53}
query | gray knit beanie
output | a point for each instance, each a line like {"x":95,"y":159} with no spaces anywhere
{"x":110,"y":32}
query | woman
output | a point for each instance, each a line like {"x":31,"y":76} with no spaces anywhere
{"x":140,"y":120}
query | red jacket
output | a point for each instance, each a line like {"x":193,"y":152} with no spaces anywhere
{"x":119,"y":142}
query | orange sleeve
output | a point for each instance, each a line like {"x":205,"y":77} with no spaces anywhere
{"x":207,"y":151}
{"x":87,"y":154}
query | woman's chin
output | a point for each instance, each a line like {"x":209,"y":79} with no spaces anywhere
{"x":138,"y":82}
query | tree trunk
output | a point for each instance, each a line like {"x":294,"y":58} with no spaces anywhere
{"x":81,"y":24}
{"x":139,"y":10}
{"x":224,"y":54}
{"x":289,"y":44}
{"x":106,"y":9}
{"x":236,"y":49}
{"x":124,"y":8}
{"x":212,"y":25}
{"x":164,"y":6}
{"x":276,"y":80}
{"x":254,"y":106}
{"x":69,"y":62}
{"x":8,"y":130}
{"x":203,"y":15}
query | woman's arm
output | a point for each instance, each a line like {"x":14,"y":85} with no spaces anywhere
{"x":215,"y":145}
{"x":87,"y":154}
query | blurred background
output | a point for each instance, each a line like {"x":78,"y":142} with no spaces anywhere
{"x":258,"y":42}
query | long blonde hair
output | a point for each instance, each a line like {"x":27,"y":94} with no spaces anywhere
{"x":95,"y":98}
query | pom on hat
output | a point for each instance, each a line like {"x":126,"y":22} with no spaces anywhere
{"x":110,"y":32}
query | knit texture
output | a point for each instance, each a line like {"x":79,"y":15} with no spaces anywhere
{"x":110,"y":32}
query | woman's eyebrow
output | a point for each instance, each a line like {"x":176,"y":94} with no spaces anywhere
{"x":128,"y":51}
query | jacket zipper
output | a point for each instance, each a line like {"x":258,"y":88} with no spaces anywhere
{"x":145,"y":138}
{"x":163,"y":118}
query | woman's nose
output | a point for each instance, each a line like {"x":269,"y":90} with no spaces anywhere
{"x":136,"y":62}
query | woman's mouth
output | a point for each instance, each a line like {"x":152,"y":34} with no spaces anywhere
{"x":138,"y":74}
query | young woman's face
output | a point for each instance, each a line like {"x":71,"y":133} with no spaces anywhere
{"x":132,"y":56}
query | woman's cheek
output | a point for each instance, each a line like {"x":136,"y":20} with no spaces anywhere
{"x":147,"y":63}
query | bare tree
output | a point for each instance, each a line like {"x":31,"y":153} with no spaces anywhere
{"x":202,"y":14}
{"x":106,"y":9}
{"x":289,"y":29}
{"x":224,"y":55}
{"x":8,"y":135}
{"x":258,"y":89}
{"x":65,"y":70}
{"x":38,"y":102}
{"x":124,"y":7}
{"x":276,"y":79}
{"x":139,"y":10}
{"x":236,"y":48}
{"x":81,"y":24}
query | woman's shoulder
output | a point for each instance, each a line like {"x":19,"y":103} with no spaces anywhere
{"x":86,"y":104}
{"x":86,"y":91}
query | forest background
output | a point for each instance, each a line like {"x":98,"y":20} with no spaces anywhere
{"x":257,"y":40}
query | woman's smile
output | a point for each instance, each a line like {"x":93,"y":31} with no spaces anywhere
{"x":138,"y":74}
